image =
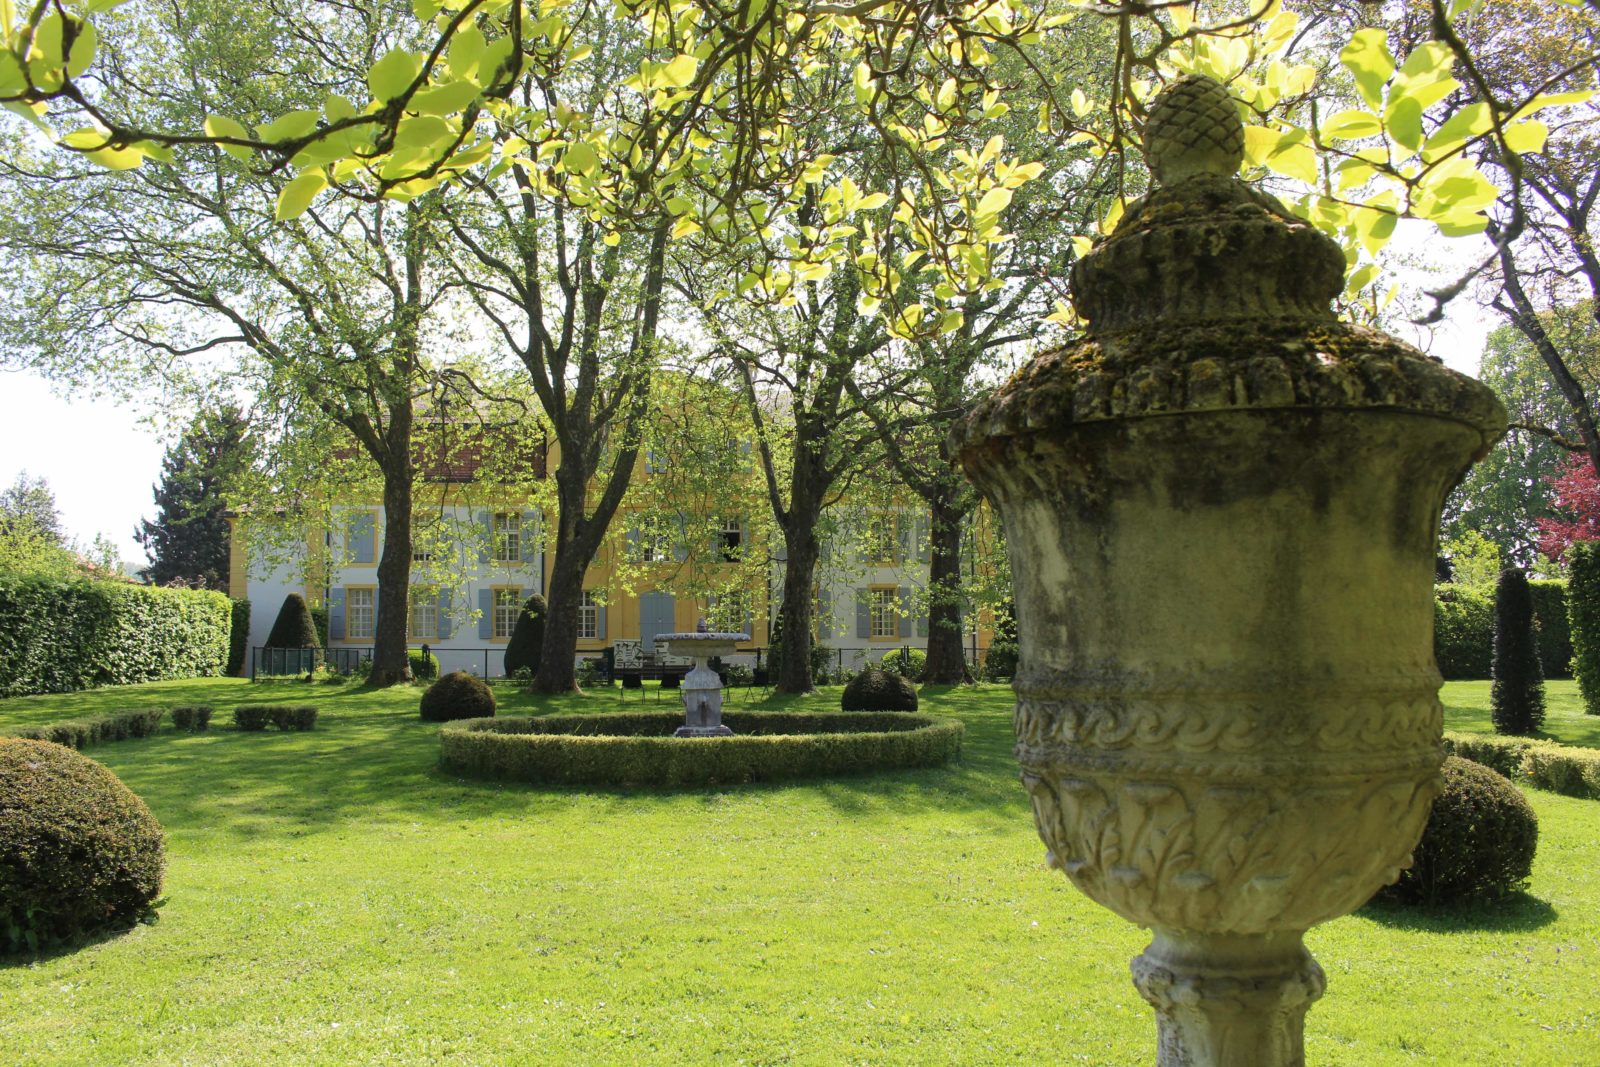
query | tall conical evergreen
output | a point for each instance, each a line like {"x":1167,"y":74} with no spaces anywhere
{"x":188,"y":539}
{"x":527,"y":636}
{"x":1517,"y":697}
{"x":293,"y":627}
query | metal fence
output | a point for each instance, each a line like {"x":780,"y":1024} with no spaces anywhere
{"x":268,"y":662}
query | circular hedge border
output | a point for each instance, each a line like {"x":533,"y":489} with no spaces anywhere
{"x":637,"y":748}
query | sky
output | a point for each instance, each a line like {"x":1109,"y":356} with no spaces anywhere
{"x":102,"y":458}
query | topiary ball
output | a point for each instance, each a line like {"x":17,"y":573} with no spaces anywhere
{"x":875,"y":690}
{"x":79,"y":853}
{"x":1478,"y":843}
{"x":458,"y":695}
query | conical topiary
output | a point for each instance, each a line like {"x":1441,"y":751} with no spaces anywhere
{"x":293,"y":628}
{"x":1516,"y":699}
{"x":527,"y":637}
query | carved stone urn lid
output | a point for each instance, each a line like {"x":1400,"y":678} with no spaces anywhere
{"x":1211,"y":295}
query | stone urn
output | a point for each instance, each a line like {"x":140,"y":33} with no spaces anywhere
{"x":702,"y":688}
{"x":1221,"y":507}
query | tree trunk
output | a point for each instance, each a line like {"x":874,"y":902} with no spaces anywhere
{"x":563,"y":599}
{"x":794,"y":616}
{"x":390,"y":662}
{"x":946,"y":665}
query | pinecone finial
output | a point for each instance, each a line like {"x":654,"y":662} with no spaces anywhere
{"x":1194,"y":128}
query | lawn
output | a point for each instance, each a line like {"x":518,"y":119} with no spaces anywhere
{"x":333,"y":899}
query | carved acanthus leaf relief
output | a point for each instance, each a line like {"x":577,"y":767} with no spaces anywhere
{"x":1237,"y":859}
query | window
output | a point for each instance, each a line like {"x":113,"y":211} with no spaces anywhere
{"x":508,"y":537}
{"x":588,"y":617}
{"x":421,"y":553}
{"x":424,"y":625}
{"x":654,"y":546}
{"x":507,"y":606}
{"x":730,"y":540}
{"x":883,"y":604}
{"x":728,"y":612}
{"x":881,"y":540}
{"x":361,"y":613}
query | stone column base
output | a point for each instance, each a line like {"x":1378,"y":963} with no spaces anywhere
{"x":703,"y":731}
{"x":1236,"y":1001}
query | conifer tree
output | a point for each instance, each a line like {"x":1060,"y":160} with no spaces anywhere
{"x":293,"y":627}
{"x":527,"y":636}
{"x":188,"y":539}
{"x":1517,"y":696}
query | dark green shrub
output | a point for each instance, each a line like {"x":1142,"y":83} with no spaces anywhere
{"x":253,"y":716}
{"x":1478,"y":844}
{"x":319,"y":620}
{"x":906,"y":662}
{"x":875,"y":690}
{"x":194,"y":719}
{"x":637,"y":748}
{"x":293,"y":627}
{"x":238,"y":636}
{"x":424,"y":668}
{"x":1550,"y":624}
{"x":1565,"y":769}
{"x":1463,"y":632}
{"x":83,"y":733}
{"x":458,"y":695}
{"x":1583,"y":615}
{"x":1000,"y":663}
{"x":285,"y":717}
{"x":79,"y":853}
{"x":527,"y":636}
{"x":1502,"y":754}
{"x":59,"y":635}
{"x":1516,"y":698}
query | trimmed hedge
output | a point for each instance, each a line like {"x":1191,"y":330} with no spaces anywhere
{"x":878,"y":690}
{"x":253,"y":716}
{"x":424,"y":668}
{"x":194,"y":719}
{"x":637,"y":749}
{"x":1516,"y":699}
{"x":1564,"y":769}
{"x":1550,"y":625}
{"x":1463,"y":632}
{"x":906,"y":662}
{"x":1478,"y":844}
{"x":84,"y":733}
{"x":79,"y":852}
{"x":238,"y":637}
{"x":458,"y":695}
{"x":61,"y":635}
{"x":1583,"y":614}
{"x":298,"y":717}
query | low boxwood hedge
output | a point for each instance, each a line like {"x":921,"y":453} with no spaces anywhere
{"x":1565,"y":769}
{"x":85,"y":733}
{"x":638,"y":749}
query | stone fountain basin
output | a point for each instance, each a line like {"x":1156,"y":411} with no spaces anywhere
{"x":702,"y":645}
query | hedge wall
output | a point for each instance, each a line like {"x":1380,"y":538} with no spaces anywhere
{"x":238,"y":637}
{"x":1463,"y":630}
{"x":1566,"y":769}
{"x":638,"y":749}
{"x":59,"y":635}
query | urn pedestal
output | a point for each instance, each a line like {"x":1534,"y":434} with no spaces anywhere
{"x":701,"y":687}
{"x":1221,"y":509}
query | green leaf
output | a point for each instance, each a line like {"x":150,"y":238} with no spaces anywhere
{"x":994,"y":201}
{"x":1367,"y":59}
{"x":679,"y":72}
{"x":1429,"y":62}
{"x":1528,"y":136}
{"x":298,"y":194}
{"x":580,"y":157}
{"x":1474,"y":120}
{"x":82,"y":49}
{"x":392,"y":75}
{"x":1352,"y":126}
{"x":465,"y":51}
{"x":222,"y":126}
{"x":289,"y":127}
{"x":422,"y":133}
{"x":1295,"y":161}
{"x":1403,"y":119}
{"x":445,"y":99}
{"x":338,"y":108}
{"x":48,"y":40}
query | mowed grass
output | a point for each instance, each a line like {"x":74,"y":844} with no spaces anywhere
{"x":1466,"y":707}
{"x":333,"y":899}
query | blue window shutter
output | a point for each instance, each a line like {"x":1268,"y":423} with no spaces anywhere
{"x":924,"y":538}
{"x":680,"y":551}
{"x":363,"y":538}
{"x":336,"y":613}
{"x":486,"y":524}
{"x":633,"y":545}
{"x":532,"y":537}
{"x":600,"y":622}
{"x":922,"y":624}
{"x":375,"y":614}
{"x":863,"y":614}
{"x":825,"y":612}
{"x":902,"y":533}
{"x":486,"y":618}
{"x":904,"y":606}
{"x":444,"y":616}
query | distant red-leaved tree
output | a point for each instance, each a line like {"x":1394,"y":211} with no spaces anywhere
{"x":1577,"y":506}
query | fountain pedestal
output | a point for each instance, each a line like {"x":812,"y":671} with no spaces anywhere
{"x":702,"y":689}
{"x":1221,"y":507}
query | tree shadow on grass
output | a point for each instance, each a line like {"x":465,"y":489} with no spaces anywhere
{"x":1516,"y":913}
{"x":19,"y":960}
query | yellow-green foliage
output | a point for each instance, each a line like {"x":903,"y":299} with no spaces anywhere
{"x":636,"y":748}
{"x":1566,"y":769}
{"x":60,"y":635}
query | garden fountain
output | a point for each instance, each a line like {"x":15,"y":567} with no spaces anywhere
{"x":702,"y":689}
{"x":1221,"y":507}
